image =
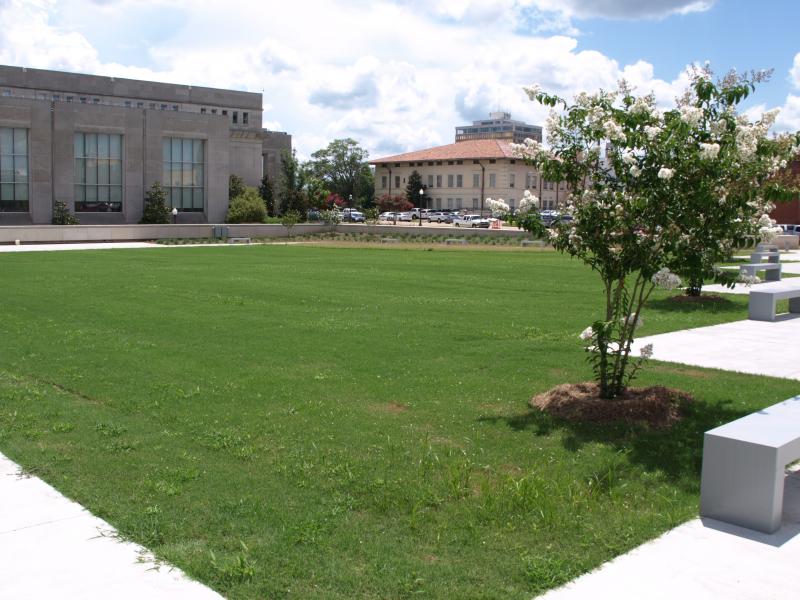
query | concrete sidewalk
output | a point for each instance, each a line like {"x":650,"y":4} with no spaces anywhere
{"x":51,"y":547}
{"x":758,"y":347}
{"x":703,"y":559}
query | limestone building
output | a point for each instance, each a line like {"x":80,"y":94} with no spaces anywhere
{"x":462,"y":175}
{"x":98,"y":143}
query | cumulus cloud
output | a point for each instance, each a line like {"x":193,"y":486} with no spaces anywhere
{"x":396,"y":76}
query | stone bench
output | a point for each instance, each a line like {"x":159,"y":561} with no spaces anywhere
{"x":389,"y":241}
{"x":773,"y":270}
{"x":450,"y":241}
{"x":238,"y":240}
{"x":744,"y":463}
{"x":764,"y":297}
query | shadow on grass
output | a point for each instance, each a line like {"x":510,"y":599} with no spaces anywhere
{"x":677,"y":451}
{"x":714,"y":304}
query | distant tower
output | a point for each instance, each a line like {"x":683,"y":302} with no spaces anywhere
{"x":499,"y":126}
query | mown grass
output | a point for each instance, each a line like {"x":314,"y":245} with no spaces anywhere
{"x":306,"y":422}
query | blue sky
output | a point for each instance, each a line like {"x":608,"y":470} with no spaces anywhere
{"x":399,"y":75}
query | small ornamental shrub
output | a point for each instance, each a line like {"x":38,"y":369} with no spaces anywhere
{"x":62,"y":216}
{"x":155,"y":206}
{"x":655,"y":194}
{"x":289,"y":219}
{"x":247,"y":207}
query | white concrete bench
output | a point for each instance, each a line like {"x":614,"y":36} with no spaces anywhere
{"x":744,"y":463}
{"x":450,"y":241}
{"x":238,"y":240}
{"x":765,"y":296}
{"x":773,"y":270}
{"x":389,"y":241}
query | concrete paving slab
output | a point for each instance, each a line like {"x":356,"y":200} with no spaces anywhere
{"x":757,"y":347}
{"x":86,"y":246}
{"x":703,"y":559}
{"x":51,"y":547}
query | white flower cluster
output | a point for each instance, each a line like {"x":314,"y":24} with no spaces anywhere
{"x":528,"y":203}
{"x":532,"y":90}
{"x":614,"y":131}
{"x":652,"y":131}
{"x":646,"y":351}
{"x":665,"y":173}
{"x":691,"y":115}
{"x":666,"y":279}
{"x":709,"y":151}
{"x":644,"y":106}
{"x":635,"y":171}
{"x":748,"y":280}
{"x":628,"y":158}
{"x":529,"y":149}
{"x":587,"y":334}
{"x":767,"y":230}
{"x":629,"y":320}
{"x":498,"y":206}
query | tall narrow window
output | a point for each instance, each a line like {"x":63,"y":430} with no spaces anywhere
{"x":383,"y":182}
{"x":13,"y":169}
{"x":245,"y":118}
{"x":476,"y":180}
{"x":512,"y":178}
{"x":459,"y":181}
{"x":449,"y":181}
{"x":235,"y":116}
{"x":430,"y":180}
{"x":98,"y":172}
{"x":492,"y":180}
{"x":184,"y":173}
{"x":438,"y":181}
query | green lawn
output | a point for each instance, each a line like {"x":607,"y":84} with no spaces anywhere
{"x":308,"y":422}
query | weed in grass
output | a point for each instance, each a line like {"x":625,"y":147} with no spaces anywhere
{"x":62,"y":427}
{"x":241,"y":569}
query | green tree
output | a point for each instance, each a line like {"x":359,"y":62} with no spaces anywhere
{"x":267,"y":192}
{"x":155,"y":205}
{"x":643,"y":185}
{"x":247,"y":207}
{"x":62,"y":216}
{"x":291,"y":196}
{"x":344,"y":169}
{"x":236,"y":187}
{"x":412,"y":190}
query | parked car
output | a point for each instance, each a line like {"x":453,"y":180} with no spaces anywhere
{"x":441,"y":217}
{"x":313,"y":215}
{"x":790,"y":229}
{"x":405,"y":216}
{"x":353,"y":216}
{"x":471,"y":221}
{"x":387,"y":216}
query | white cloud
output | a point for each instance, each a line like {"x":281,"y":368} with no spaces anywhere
{"x":393,"y":76}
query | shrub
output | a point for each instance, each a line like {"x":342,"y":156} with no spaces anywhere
{"x":62,"y":216}
{"x":247,"y":207}
{"x":289,"y":219}
{"x":155,"y":205}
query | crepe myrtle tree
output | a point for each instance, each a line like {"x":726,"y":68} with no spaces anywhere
{"x":644,"y":187}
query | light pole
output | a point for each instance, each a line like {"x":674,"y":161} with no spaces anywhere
{"x":174,"y":216}
{"x":421,"y":197}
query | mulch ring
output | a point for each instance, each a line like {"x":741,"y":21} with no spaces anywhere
{"x":656,"y":406}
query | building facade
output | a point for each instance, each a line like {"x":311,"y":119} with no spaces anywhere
{"x":461,"y":176}
{"x":499,"y":126}
{"x":274,"y":144}
{"x":99,"y":143}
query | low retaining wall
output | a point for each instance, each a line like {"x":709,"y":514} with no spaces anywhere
{"x":37,"y":234}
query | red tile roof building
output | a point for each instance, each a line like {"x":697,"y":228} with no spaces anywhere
{"x":462,"y":175}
